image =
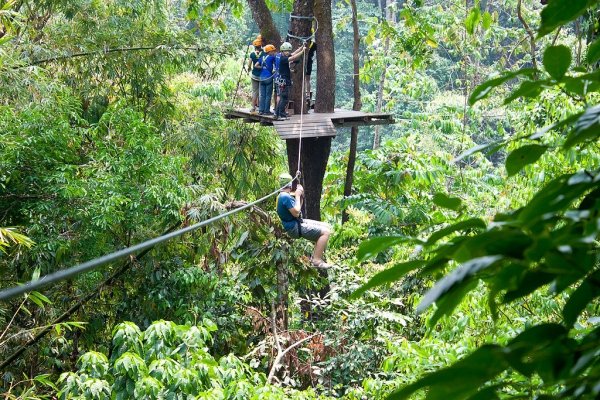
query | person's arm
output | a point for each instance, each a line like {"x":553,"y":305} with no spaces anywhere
{"x":295,"y":55}
{"x":295,"y":211}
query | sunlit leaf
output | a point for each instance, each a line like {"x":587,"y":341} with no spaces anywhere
{"x":523,"y":156}
{"x":445,"y":201}
{"x":557,"y":60}
{"x":389,"y":275}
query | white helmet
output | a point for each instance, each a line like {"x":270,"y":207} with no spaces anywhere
{"x":286,"y":46}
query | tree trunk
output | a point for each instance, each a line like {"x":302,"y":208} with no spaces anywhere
{"x":356,"y":107}
{"x":264,"y":20}
{"x":300,"y":27}
{"x":325,"y":98}
{"x":390,"y":16}
{"x":281,"y":307}
{"x":314,"y":155}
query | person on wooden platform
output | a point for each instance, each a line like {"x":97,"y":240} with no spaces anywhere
{"x":289,"y":205}
{"x":255,"y":71}
{"x":283,"y":78}
{"x":312,"y":48}
{"x":267,"y":61}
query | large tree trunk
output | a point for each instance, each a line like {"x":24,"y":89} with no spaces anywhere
{"x":356,"y":107}
{"x":325,"y":98}
{"x":264,"y":20}
{"x":300,"y":27}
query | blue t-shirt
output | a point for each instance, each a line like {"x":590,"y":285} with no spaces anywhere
{"x":267,"y":62}
{"x":284,"y":202}
{"x":255,"y":58}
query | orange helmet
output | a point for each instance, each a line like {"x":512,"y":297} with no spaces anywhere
{"x":257,"y":43}
{"x":269,"y":48}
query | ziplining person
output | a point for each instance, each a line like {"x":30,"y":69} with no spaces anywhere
{"x":289,"y":205}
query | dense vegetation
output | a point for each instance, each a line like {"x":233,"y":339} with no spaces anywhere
{"x":467,"y":269}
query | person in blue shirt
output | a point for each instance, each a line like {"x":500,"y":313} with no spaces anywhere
{"x":289,"y":205}
{"x":255,"y":74}
{"x":267,"y":61}
{"x":283,"y":79}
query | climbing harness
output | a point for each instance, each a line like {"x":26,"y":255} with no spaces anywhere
{"x":9,"y":293}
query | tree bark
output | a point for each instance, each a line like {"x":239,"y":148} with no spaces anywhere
{"x":356,"y":107}
{"x":325,"y":97}
{"x":388,"y":12}
{"x":300,"y":27}
{"x":315,"y":151}
{"x":264,"y":20}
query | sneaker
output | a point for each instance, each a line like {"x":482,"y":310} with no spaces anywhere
{"x":277,"y":118}
{"x":268,"y":113}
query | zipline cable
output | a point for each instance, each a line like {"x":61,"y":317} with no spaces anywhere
{"x":96,"y":292}
{"x":9,"y":293}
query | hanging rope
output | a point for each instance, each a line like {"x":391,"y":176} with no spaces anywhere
{"x":95,"y":263}
{"x":302,"y":106}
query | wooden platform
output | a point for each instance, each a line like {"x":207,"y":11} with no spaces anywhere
{"x":314,"y":124}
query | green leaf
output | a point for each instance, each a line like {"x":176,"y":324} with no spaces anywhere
{"x":445,"y":201}
{"x":559,"y":12}
{"x":482,"y":91}
{"x":523,"y":156}
{"x":461,"y":379}
{"x":371,"y":247}
{"x":557,"y":60}
{"x":531,"y":281}
{"x":487,"y":20}
{"x":580,"y":298}
{"x":587,"y":127}
{"x":527,"y":89}
{"x":477,"y":149}
{"x":473,"y":19}
{"x":450,"y":300}
{"x":472,"y":223}
{"x":593,"y":52}
{"x":389,"y":275}
{"x":457,"y":276}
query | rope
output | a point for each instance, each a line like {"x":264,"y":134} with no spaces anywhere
{"x":304,"y":38}
{"x":9,"y":293}
{"x":302,"y":106}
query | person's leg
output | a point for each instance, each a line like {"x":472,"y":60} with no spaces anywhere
{"x":262,"y":93}
{"x":283,"y":101}
{"x":318,"y":232}
{"x":255,"y":89}
{"x":268,"y":96}
{"x":320,"y":246}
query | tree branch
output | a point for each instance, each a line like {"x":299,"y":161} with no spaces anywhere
{"x":529,"y":33}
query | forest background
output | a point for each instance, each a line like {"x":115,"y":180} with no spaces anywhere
{"x":467,"y":267}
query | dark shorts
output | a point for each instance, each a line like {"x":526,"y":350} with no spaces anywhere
{"x":311,"y":229}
